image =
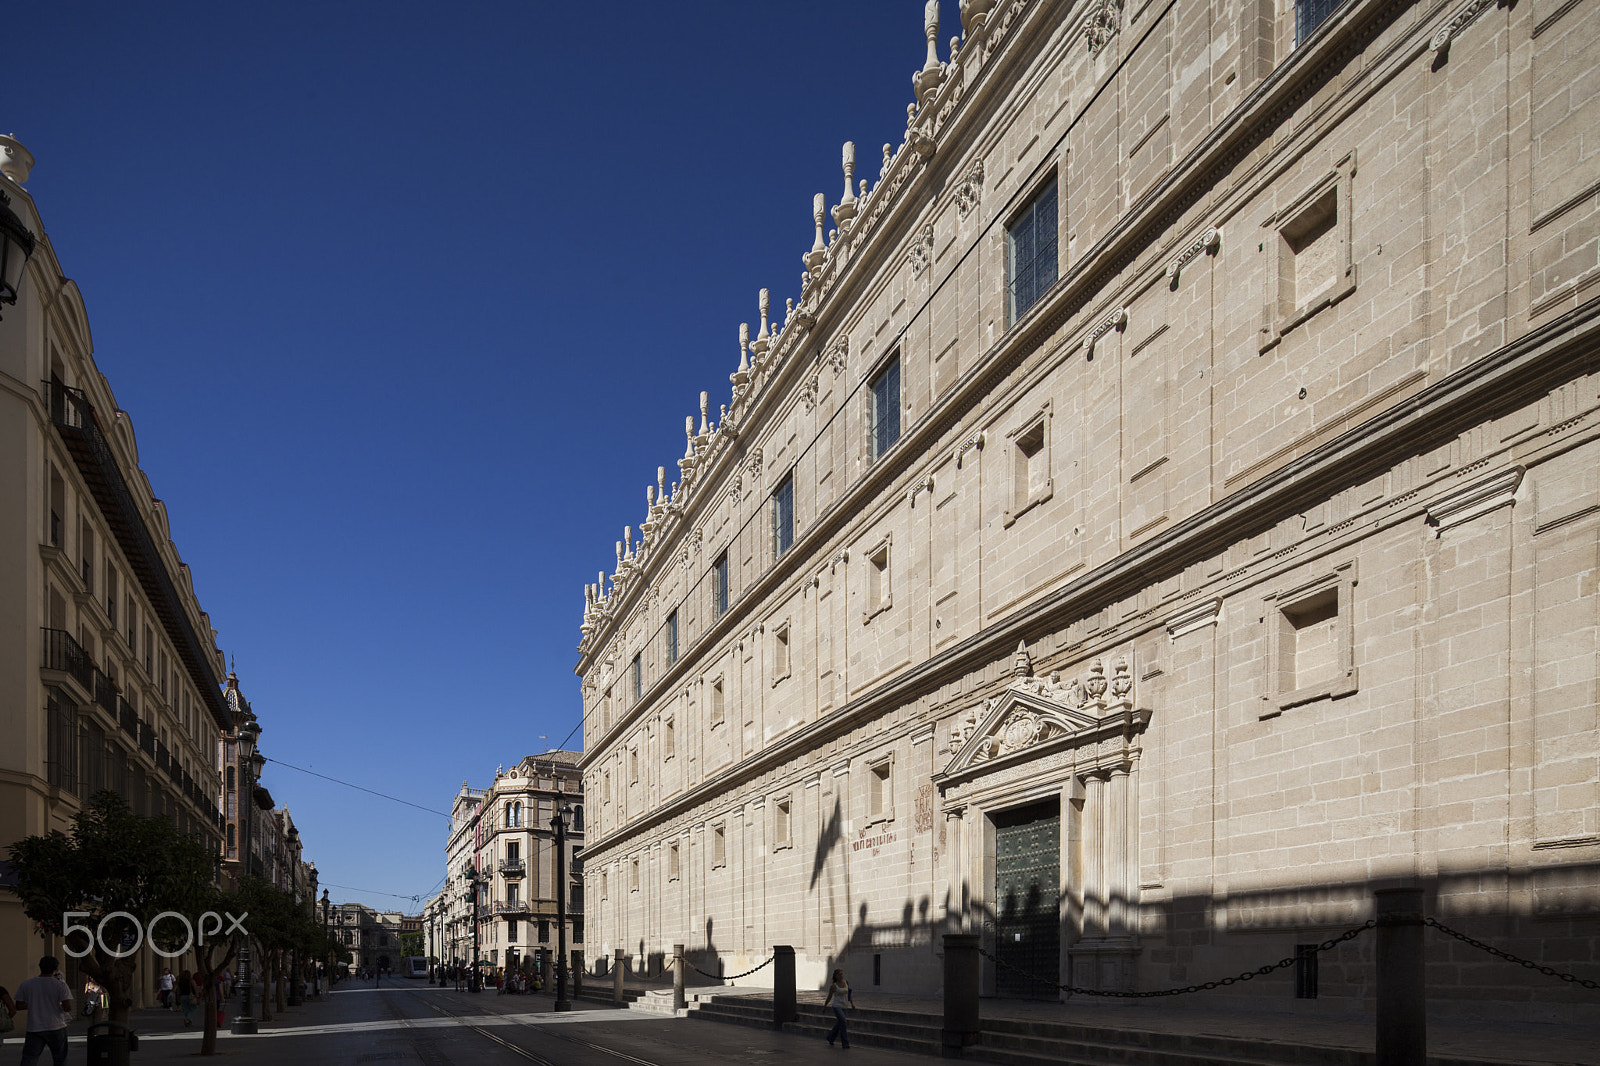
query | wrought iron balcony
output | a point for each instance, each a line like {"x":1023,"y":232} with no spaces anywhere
{"x":65,"y":654}
{"x":147,"y":739}
{"x":75,"y":420}
{"x":511,"y":907}
{"x":512,"y":868}
{"x":163,"y":759}
{"x":127,"y":717}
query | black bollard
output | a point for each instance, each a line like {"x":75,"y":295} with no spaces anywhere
{"x":1402,"y":980}
{"x":961,"y":1021}
{"x":783,"y":1001}
{"x":577,"y":972}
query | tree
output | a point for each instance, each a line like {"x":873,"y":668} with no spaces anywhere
{"x":114,"y":866}
{"x":411,"y":944}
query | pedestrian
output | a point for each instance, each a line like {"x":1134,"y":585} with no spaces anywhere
{"x":168,"y":982}
{"x":186,"y":996}
{"x":8,"y":1012}
{"x":93,"y":1000}
{"x":48,"y":1001}
{"x":839,"y":995}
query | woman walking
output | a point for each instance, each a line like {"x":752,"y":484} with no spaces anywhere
{"x":838,"y":996}
{"x":186,"y":996}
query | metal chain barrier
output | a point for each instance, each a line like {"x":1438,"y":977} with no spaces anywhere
{"x":729,"y":977}
{"x":1527,"y":964}
{"x":666,"y":964}
{"x":1248,"y":975}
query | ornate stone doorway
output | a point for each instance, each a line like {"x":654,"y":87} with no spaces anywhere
{"x":1027,"y":876}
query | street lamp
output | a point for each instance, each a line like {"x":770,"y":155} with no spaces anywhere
{"x":327,"y":941}
{"x":559,"y":824}
{"x":474,"y":978}
{"x":16,"y":245}
{"x":249,"y":733}
{"x":295,"y":998}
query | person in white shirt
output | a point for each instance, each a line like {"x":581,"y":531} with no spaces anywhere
{"x":165,"y":988}
{"x":48,"y":1001}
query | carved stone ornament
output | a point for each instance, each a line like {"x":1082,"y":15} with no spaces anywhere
{"x":753,"y":464}
{"x":837,"y":355}
{"x":921,"y":253}
{"x":1037,"y":711}
{"x":1103,"y":24}
{"x":1466,"y":16}
{"x":808,"y":392}
{"x":1116,"y":320}
{"x":970,"y":192}
{"x":1208,"y":241}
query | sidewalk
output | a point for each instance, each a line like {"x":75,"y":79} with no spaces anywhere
{"x":1499,"y":1039}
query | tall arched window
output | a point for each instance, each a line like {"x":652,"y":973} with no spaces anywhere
{"x":514,"y":814}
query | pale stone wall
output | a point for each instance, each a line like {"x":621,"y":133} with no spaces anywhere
{"x":1315,"y":392}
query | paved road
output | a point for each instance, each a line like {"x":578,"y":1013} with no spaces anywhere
{"x":414,"y":1024}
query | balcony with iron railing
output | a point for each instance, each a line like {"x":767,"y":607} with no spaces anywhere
{"x":147,"y":739}
{"x":64,"y":654}
{"x":512,"y":868}
{"x":127,"y":717}
{"x":163,"y":759}
{"x":512,"y":907}
{"x":79,"y":427}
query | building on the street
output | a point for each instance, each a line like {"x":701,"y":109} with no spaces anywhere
{"x":371,"y":936}
{"x":1168,"y":516}
{"x":504,"y":835}
{"x":109,"y":669}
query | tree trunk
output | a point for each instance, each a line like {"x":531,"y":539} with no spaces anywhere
{"x":208,"y":1003}
{"x":280,"y":972}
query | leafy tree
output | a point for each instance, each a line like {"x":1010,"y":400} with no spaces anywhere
{"x":114,"y":861}
{"x":410,"y":944}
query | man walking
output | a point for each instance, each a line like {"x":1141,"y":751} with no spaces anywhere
{"x":48,"y":1001}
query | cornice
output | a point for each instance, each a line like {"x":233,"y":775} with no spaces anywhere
{"x":854,"y":259}
{"x":1347,"y":32}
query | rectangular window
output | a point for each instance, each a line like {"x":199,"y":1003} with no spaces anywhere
{"x":783,"y":517}
{"x":605,"y":884}
{"x":1309,"y":14}
{"x":149,"y":654}
{"x":111,"y":593}
{"x":880,"y":595}
{"x":886,"y":407}
{"x":780,"y":653}
{"x":634,"y":874}
{"x":672,"y":638}
{"x":636,"y":678}
{"x":673,"y":869}
{"x":669,"y":739}
{"x":1031,"y":262}
{"x":719,"y":586}
{"x":511,"y":930}
{"x":719,"y":846}
{"x":782,"y":823}
{"x":719,"y":709}
{"x":880,"y":791}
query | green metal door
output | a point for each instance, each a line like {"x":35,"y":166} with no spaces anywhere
{"x":1027,"y":875}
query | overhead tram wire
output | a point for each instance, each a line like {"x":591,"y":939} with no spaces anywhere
{"x":359,"y":788}
{"x":371,"y":891}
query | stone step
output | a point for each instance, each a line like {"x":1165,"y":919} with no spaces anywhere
{"x":1019,"y":1042}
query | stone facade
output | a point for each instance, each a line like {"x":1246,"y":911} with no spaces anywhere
{"x":1235,"y":561}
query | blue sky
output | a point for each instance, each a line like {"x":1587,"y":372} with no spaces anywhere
{"x":407,"y":302}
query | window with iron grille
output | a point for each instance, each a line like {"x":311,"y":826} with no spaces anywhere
{"x":1031,"y":263}
{"x":886,"y":407}
{"x":783,"y":517}
{"x":1309,"y":14}
{"x":719,"y":586}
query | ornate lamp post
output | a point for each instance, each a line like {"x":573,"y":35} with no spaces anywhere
{"x":327,"y":936}
{"x":475,"y":976}
{"x":249,"y":757}
{"x":16,"y":245}
{"x":294,"y":999}
{"x":559,"y":824}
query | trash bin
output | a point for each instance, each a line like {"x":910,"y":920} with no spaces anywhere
{"x":109,"y":1044}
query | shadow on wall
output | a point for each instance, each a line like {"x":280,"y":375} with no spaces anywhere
{"x":1548,"y":915}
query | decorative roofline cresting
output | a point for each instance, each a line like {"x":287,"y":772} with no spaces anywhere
{"x":1034,"y":714}
{"x":862,"y":217}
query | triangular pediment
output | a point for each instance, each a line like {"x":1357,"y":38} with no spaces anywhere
{"x":1049,"y":712}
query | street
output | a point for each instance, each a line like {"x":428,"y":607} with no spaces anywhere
{"x":415,"y":1023}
